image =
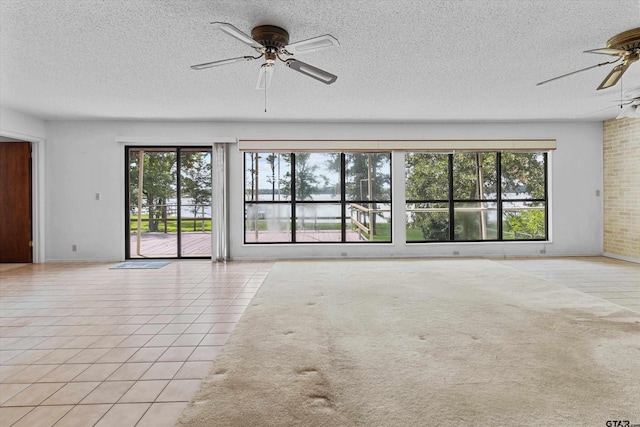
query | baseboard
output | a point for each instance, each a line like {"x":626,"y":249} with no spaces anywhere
{"x":622,"y":257}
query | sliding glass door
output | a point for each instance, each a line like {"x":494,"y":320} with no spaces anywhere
{"x":168,"y":202}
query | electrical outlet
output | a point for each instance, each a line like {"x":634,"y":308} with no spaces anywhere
{"x":456,"y":252}
{"x":74,"y":248}
{"x":543,"y":251}
{"x":343,"y":254}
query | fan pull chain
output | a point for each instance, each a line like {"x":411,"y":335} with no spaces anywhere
{"x":265,"y":98}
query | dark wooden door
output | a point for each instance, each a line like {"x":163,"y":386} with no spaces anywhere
{"x":15,"y":202}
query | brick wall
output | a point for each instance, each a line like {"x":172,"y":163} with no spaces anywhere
{"x":622,"y":188}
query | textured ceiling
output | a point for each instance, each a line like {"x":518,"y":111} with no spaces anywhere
{"x":400,"y":60}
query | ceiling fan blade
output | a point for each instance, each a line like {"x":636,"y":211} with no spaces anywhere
{"x":237,"y":34}
{"x":313,"y":44}
{"x":614,"y":75}
{"x":221,"y":62}
{"x":608,"y":51}
{"x":597,"y":111}
{"x":626,"y":101}
{"x":575,"y":72}
{"x":619,"y":104}
{"x":264,"y":78}
{"x":311,"y":71}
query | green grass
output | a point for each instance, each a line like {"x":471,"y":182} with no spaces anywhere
{"x":171,"y":225}
{"x":383,"y":231}
{"x":414,"y":235}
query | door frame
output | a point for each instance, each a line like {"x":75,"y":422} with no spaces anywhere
{"x":37,"y":191}
{"x":136,"y":141}
{"x":178,"y":150}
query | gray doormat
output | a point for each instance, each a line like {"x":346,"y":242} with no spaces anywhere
{"x":140,"y":264}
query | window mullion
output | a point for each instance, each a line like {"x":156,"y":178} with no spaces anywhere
{"x":179,"y":201}
{"x":293,"y":197}
{"x":343,"y":198}
{"x":499,"y":191}
{"x":546,"y":197}
{"x":451,"y":213}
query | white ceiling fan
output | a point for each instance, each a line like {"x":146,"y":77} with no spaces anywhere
{"x":626,"y":46}
{"x":272,"y":43}
{"x":630,"y":108}
{"x":629,"y":104}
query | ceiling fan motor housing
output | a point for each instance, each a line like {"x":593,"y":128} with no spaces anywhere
{"x":271,"y":37}
{"x":628,"y":41}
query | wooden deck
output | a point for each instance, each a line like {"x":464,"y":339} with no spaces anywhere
{"x":197,"y":244}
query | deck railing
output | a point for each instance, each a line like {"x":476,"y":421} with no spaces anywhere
{"x":361,"y":218}
{"x":169,"y":214}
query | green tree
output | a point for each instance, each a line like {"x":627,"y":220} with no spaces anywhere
{"x":523,"y":176}
{"x":428,"y":179}
{"x":306,"y":178}
{"x":271,"y":161}
{"x":159,"y":184}
{"x":427,"y":176}
{"x":196,"y":181}
{"x":474,"y":178}
{"x":368,"y":179}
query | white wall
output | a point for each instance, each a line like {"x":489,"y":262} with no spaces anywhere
{"x":83,"y":158}
{"x":21,"y":126}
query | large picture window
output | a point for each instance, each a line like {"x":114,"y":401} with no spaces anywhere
{"x":317,"y":197}
{"x":476,"y":196}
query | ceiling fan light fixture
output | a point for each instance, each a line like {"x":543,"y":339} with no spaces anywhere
{"x":264,"y":78}
{"x":631,"y":112}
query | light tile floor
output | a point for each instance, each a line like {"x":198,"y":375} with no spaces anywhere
{"x":611,"y":279}
{"x":83,"y":345}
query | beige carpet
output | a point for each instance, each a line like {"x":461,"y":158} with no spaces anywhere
{"x":413,"y":342}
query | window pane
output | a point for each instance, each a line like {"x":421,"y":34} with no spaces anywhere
{"x":318,"y":194}
{"x":267,"y":223}
{"x":474,"y":176}
{"x":157,"y":208}
{"x":317,"y":176}
{"x":369,"y":222}
{"x":427,"y":222}
{"x":427,"y":176}
{"x":318,"y":222}
{"x":368,"y":176}
{"x":475,"y":221}
{"x":195,"y":202}
{"x":523,"y":220}
{"x":523,"y":175}
{"x":267,"y":176}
